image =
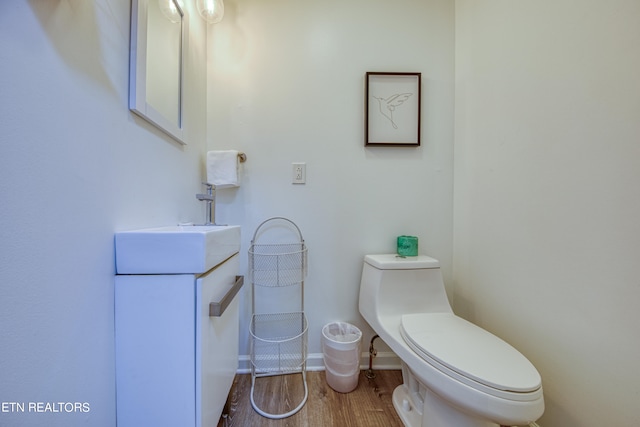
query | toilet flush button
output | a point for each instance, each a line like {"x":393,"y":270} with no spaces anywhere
{"x":405,"y":405}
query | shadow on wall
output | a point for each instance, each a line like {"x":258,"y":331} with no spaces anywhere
{"x":75,"y":28}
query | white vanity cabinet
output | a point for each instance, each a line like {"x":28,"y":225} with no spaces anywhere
{"x":176,"y":346}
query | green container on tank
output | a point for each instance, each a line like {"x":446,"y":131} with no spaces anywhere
{"x":407,"y":246}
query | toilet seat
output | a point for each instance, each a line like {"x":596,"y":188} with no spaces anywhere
{"x":470,"y":354}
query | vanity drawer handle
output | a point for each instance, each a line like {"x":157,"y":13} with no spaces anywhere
{"x":217,"y":308}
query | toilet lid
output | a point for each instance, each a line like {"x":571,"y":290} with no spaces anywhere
{"x":469,"y":351}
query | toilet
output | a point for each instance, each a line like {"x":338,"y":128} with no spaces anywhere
{"x":455,"y":374}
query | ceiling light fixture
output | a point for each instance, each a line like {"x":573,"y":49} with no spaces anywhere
{"x":211,"y":11}
{"x":171,"y":9}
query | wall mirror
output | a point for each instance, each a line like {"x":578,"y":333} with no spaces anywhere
{"x":159,"y":30}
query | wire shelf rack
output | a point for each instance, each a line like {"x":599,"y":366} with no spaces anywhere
{"x":278,"y":339}
{"x":279,"y":264}
{"x":279,"y":342}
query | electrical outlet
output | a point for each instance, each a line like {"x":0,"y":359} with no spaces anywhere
{"x":299,"y":171}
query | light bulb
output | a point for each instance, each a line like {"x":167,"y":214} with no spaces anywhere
{"x":170,"y":10}
{"x":211,"y":11}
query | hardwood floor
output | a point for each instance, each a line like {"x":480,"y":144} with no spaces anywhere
{"x":369,"y":405}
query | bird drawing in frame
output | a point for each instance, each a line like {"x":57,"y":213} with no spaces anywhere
{"x":388,"y":105}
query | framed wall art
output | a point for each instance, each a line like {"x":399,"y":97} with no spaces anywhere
{"x":392,"y":104}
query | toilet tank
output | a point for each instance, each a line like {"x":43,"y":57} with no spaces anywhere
{"x":391,"y":285}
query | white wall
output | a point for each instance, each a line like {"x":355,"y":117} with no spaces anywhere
{"x":286,"y":84}
{"x":546,"y":194}
{"x":75,"y":167}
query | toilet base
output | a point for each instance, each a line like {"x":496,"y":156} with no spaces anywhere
{"x":417,"y":406}
{"x":410,"y":414}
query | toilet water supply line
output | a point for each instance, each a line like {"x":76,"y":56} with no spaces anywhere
{"x":372,"y":353}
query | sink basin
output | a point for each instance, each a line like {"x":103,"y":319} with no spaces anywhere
{"x":179,"y":249}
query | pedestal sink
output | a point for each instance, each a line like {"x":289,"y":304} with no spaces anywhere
{"x":179,"y":249}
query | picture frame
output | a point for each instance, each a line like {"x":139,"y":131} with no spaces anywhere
{"x":392,"y":109}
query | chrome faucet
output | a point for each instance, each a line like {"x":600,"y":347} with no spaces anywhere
{"x":210,"y":199}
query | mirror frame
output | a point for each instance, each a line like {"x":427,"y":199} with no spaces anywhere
{"x":138,"y":72}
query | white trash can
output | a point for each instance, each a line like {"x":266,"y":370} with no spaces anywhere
{"x":341,"y":353}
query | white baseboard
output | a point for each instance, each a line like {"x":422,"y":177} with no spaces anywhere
{"x":385,"y":360}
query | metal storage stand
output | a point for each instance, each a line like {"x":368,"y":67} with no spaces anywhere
{"x":278,"y":339}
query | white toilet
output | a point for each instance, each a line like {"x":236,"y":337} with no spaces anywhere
{"x":455,"y":373}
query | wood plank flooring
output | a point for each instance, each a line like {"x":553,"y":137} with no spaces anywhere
{"x":369,"y":405}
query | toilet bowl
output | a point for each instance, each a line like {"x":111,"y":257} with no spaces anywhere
{"x":455,"y":374}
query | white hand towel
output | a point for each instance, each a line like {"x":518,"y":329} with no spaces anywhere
{"x":222,"y":168}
